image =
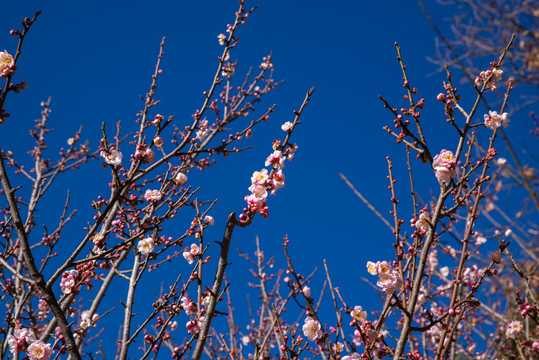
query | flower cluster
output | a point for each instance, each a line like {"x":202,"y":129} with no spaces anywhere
{"x":513,"y":329}
{"x":7,"y":64}
{"x":421,"y":224}
{"x":69,"y":280}
{"x":312,"y":329}
{"x":114,"y":157}
{"x":86,"y":321}
{"x":144,"y":153}
{"x":190,"y":255}
{"x":23,"y":340}
{"x":145,"y":246}
{"x":388,"y":279}
{"x":494,"y":120}
{"x":488,"y":77}
{"x":263,"y":181}
{"x":445,"y":165}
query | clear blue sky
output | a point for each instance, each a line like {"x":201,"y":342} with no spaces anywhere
{"x":95,"y":58}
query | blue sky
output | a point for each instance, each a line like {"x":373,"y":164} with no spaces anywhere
{"x":95,"y":58}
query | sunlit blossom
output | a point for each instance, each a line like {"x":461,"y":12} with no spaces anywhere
{"x":145,"y":246}
{"x":312,"y":329}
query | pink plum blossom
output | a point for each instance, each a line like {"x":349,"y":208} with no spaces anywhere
{"x":188,"y":306}
{"x":6,"y":64}
{"x":145,"y":246}
{"x":422,"y":223}
{"x":388,"y":279}
{"x":152,"y":195}
{"x":276,"y":160}
{"x":312,"y":329}
{"x":209,"y":220}
{"x":306,"y":291}
{"x":445,"y":165}
{"x":19,"y":339}
{"x":278,"y":181}
{"x":38,"y":350}
{"x":352,"y":356}
{"x":193,"y":326}
{"x":114,"y":157}
{"x":69,"y":279}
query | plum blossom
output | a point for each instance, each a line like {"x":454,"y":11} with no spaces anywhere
{"x":388,"y":279}
{"x":494,"y":120}
{"x":221,"y":38}
{"x":38,"y":350}
{"x":306,"y":291}
{"x":260,"y":177}
{"x":266,"y":64}
{"x":203,"y":132}
{"x":277,"y":182}
{"x":180,"y":178}
{"x":358,"y":313}
{"x":19,"y":339}
{"x":69,"y":279}
{"x":145,"y":246}
{"x":6,"y":64}
{"x":152,"y":195}
{"x":513,"y":329}
{"x":445,"y":165}
{"x":209,"y":220}
{"x":352,"y":356}
{"x":144,"y":153}
{"x":485,"y":75}
{"x":312,"y":329}
{"x":114,"y":157}
{"x":257,"y":199}
{"x":86,"y":321}
{"x":190,"y":255}
{"x":422,"y":223}
{"x":188,"y":306}
{"x":276,"y":160}
{"x":287,"y":126}
{"x":193,"y":326}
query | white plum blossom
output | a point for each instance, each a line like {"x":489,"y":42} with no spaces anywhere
{"x":190,"y":255}
{"x":493,"y":120}
{"x":180,"y":178}
{"x":19,"y":338}
{"x":152,"y":195}
{"x":86,"y":321}
{"x":114,"y":157}
{"x":221,"y":38}
{"x":306,"y":291}
{"x":312,"y":329}
{"x":513,"y":329}
{"x":145,"y":246}
{"x":388,"y":279}
{"x":260,"y":177}
{"x":209,"y":220}
{"x":287,"y":126}
{"x":358,"y":313}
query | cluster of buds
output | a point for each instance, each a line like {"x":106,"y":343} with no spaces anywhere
{"x":69,"y":281}
{"x":144,"y":153}
{"x":489,"y":77}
